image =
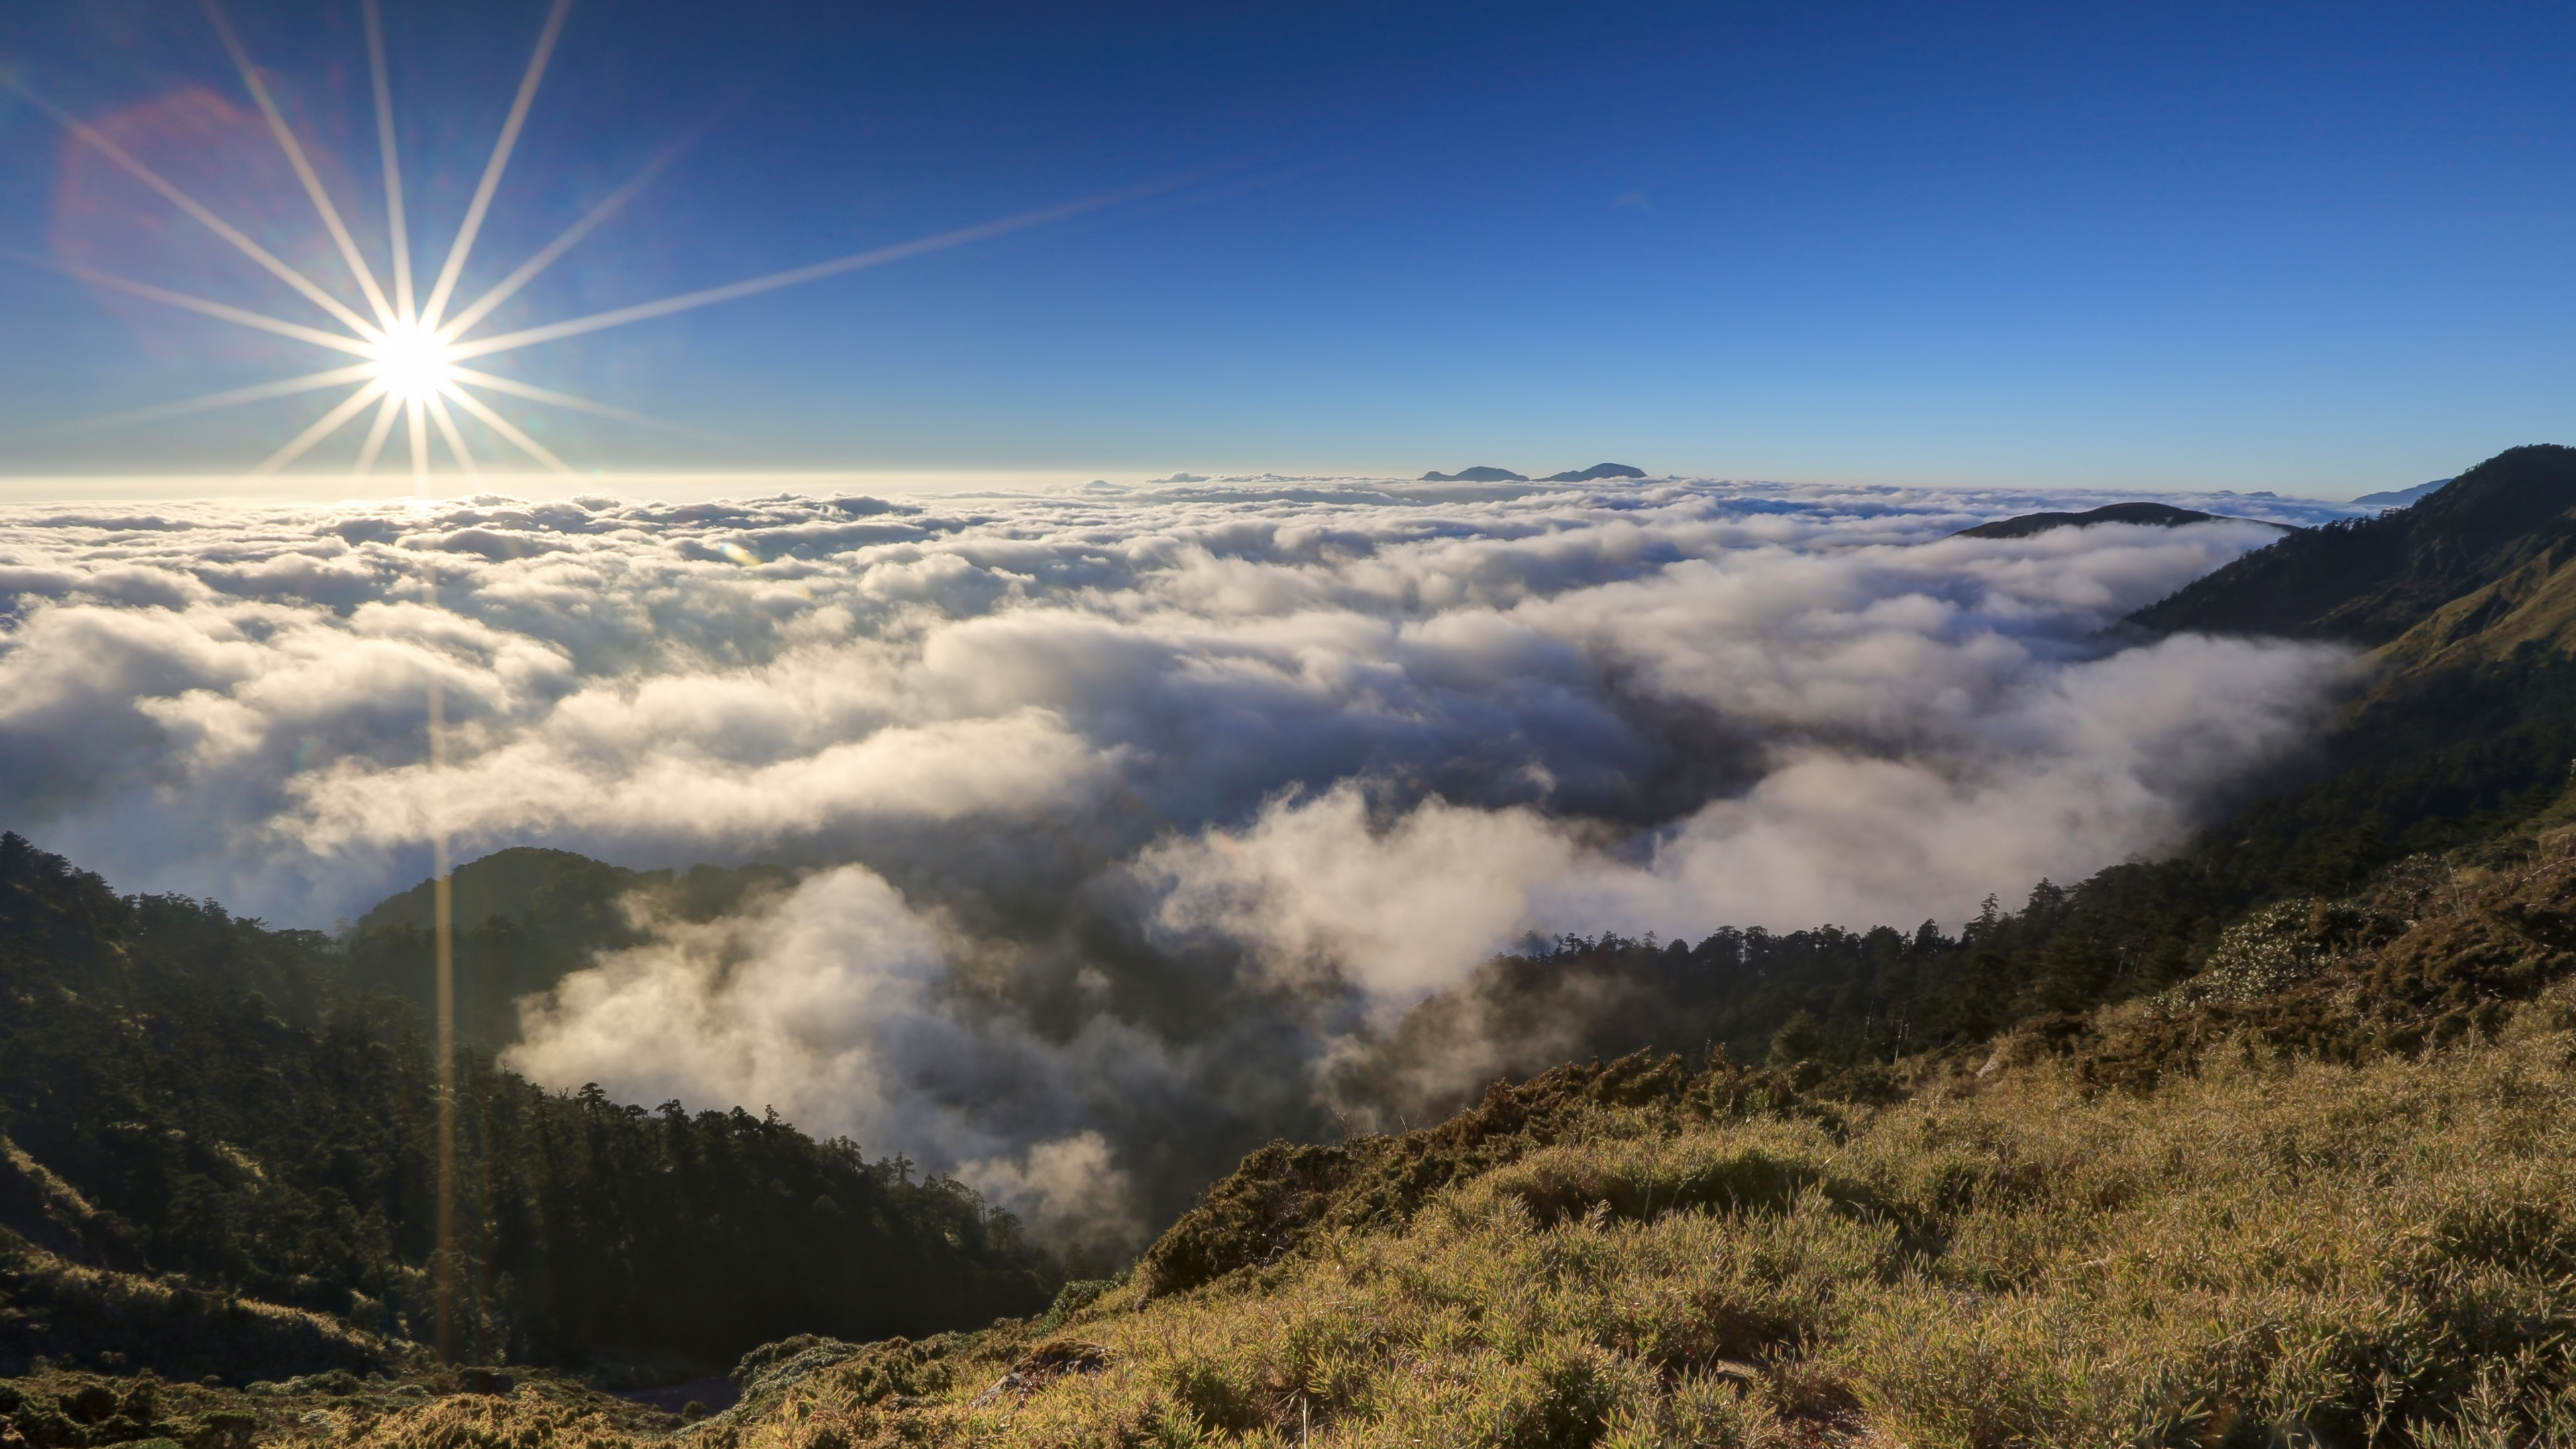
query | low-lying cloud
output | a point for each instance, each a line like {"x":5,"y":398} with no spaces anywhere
{"x":1124,"y":809}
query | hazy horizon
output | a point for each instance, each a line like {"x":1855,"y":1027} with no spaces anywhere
{"x":713,"y":485}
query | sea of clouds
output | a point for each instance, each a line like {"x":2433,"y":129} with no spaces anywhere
{"x":1125,"y":807}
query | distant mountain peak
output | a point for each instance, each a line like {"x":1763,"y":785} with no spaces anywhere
{"x":2158,"y":515}
{"x":2402,"y":497}
{"x":1481,"y":473}
{"x":1595,"y":473}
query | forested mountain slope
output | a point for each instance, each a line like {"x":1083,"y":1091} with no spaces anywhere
{"x":198,"y":1102}
{"x":2317,"y":1190}
{"x":2467,"y":724}
{"x":525,"y":919}
{"x":2372,"y":579}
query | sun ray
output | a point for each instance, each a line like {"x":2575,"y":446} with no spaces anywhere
{"x":482,"y":203}
{"x":374,"y":447}
{"x":262,"y":392}
{"x":412,"y":356}
{"x":242,"y":315}
{"x":395,"y":222}
{"x":504,"y":427}
{"x":533,"y":393}
{"x":416,"y":426}
{"x":447,"y":429}
{"x":304,"y":171}
{"x":527,"y":271}
{"x":529,"y":337}
{"x":98,"y":141}
{"x":323,"y":427}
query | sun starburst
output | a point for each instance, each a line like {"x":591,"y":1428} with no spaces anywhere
{"x":411,"y":350}
{"x":412,"y":362}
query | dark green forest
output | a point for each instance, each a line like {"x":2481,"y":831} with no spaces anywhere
{"x":237,"y":1121}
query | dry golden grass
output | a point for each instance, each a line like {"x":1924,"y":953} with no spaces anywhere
{"x":2270,"y":1252}
{"x":533,"y":1417}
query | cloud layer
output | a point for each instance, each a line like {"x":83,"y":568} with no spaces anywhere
{"x":1125,"y":806}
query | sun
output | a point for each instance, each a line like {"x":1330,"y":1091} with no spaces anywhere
{"x":410,"y":351}
{"x":413,"y":364}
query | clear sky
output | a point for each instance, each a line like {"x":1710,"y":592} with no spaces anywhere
{"x":2317,"y":249}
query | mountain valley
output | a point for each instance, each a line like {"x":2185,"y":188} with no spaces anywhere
{"x":2263,"y":1141}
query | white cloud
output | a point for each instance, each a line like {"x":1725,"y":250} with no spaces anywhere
{"x":1069,"y":1191}
{"x":1400,"y":911}
{"x":1123,"y":802}
{"x":793,"y":1005}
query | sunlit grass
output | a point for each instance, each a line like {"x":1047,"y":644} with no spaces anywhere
{"x":2271,"y":1252}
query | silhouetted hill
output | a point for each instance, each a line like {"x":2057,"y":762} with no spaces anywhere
{"x":525,"y":918}
{"x":572,"y":897}
{"x":2402,"y":497}
{"x":1595,"y":473}
{"x":565,"y":893}
{"x":2158,"y":515}
{"x":1478,"y":474}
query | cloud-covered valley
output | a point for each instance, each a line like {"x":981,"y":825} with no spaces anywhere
{"x":1123,"y":807}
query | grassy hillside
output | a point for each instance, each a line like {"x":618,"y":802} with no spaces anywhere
{"x":2268,"y":1250}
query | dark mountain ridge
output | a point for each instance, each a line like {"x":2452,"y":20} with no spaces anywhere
{"x":2403,"y":497}
{"x":1485,"y":473}
{"x":2156,"y":515}
{"x":1481,"y":473}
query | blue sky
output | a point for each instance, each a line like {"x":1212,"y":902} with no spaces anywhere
{"x":2314,"y":249}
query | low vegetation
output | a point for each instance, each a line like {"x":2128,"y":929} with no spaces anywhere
{"x":2270,"y":1250}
